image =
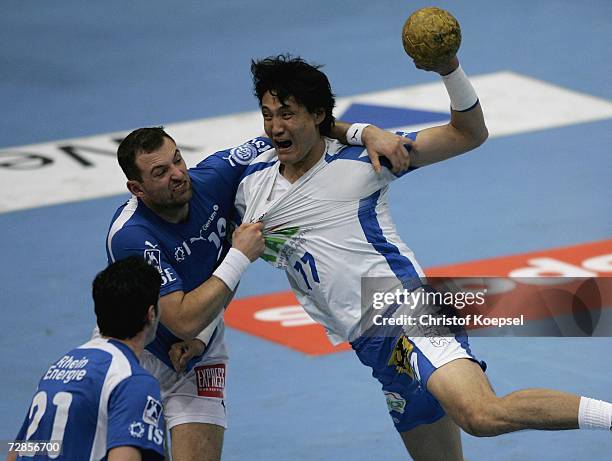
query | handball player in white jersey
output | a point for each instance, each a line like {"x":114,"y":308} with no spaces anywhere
{"x":327,"y":224}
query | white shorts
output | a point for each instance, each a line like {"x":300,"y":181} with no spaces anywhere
{"x":194,"y":397}
{"x":198,"y":396}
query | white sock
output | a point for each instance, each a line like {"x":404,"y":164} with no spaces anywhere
{"x":594,"y":414}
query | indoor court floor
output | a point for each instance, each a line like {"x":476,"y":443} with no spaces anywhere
{"x":77,"y":76}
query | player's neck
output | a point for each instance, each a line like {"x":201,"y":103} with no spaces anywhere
{"x":136,"y":344}
{"x":294,"y":171}
{"x":171,"y":214}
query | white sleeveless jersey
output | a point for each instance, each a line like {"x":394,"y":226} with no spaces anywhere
{"x":328,"y":230}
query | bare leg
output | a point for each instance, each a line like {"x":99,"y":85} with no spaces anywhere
{"x":439,"y":441}
{"x":464,"y":392}
{"x":197,"y":442}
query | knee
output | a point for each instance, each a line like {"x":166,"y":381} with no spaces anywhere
{"x":480,"y":420}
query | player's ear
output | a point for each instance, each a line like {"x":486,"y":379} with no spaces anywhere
{"x":319,"y":115}
{"x":151,"y":314}
{"x":135,"y":187}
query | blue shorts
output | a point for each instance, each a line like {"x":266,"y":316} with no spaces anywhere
{"x":403,"y":366}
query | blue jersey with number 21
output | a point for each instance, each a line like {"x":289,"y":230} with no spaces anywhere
{"x":94,"y":398}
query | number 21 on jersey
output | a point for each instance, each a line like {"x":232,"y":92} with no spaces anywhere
{"x":62,"y":401}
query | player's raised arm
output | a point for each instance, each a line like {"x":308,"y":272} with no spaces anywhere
{"x":466,"y":129}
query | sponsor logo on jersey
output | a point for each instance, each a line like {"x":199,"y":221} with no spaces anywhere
{"x":214,"y":236}
{"x":210,"y":380}
{"x":152,"y":411}
{"x":179,"y":254}
{"x":281,"y":244}
{"x":137,"y":429}
{"x":395,"y":402}
{"x":152,"y":256}
{"x":155,"y":435}
{"x":261,"y":146}
{"x":206,"y":225}
{"x":242,"y":155}
{"x":67,"y":369}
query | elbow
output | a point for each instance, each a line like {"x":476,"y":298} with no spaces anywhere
{"x":484,"y":136}
{"x":477,"y":138}
{"x":481,"y":137}
{"x":184,"y":330}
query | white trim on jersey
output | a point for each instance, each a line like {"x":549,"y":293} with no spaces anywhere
{"x":124,"y":216}
{"x":119,"y":370}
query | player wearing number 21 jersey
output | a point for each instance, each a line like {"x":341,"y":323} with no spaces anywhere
{"x":96,"y":402}
{"x":92,"y":399}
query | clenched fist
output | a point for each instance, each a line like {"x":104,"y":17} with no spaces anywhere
{"x":248,"y":238}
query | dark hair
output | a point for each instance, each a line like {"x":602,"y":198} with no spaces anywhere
{"x":145,"y":140}
{"x":122,"y":294}
{"x":285,"y":76}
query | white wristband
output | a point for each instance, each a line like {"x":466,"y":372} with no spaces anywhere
{"x":594,"y":414}
{"x":353,"y":135}
{"x":207,"y":332}
{"x":231,"y":269}
{"x":460,"y":90}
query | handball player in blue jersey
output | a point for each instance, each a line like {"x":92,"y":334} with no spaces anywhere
{"x":96,"y":402}
{"x":177,"y":219}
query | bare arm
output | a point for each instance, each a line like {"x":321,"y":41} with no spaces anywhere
{"x":126,"y":453}
{"x":12,"y":456}
{"x":187,"y":314}
{"x":465,"y":131}
{"x":182,"y":352}
{"x":339,"y":130}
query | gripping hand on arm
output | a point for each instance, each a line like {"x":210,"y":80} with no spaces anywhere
{"x":378,"y":142}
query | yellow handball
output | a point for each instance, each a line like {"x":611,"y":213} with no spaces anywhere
{"x":431,"y":36}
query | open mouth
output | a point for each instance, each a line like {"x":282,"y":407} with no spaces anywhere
{"x":182,"y":187}
{"x":283,"y":144}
